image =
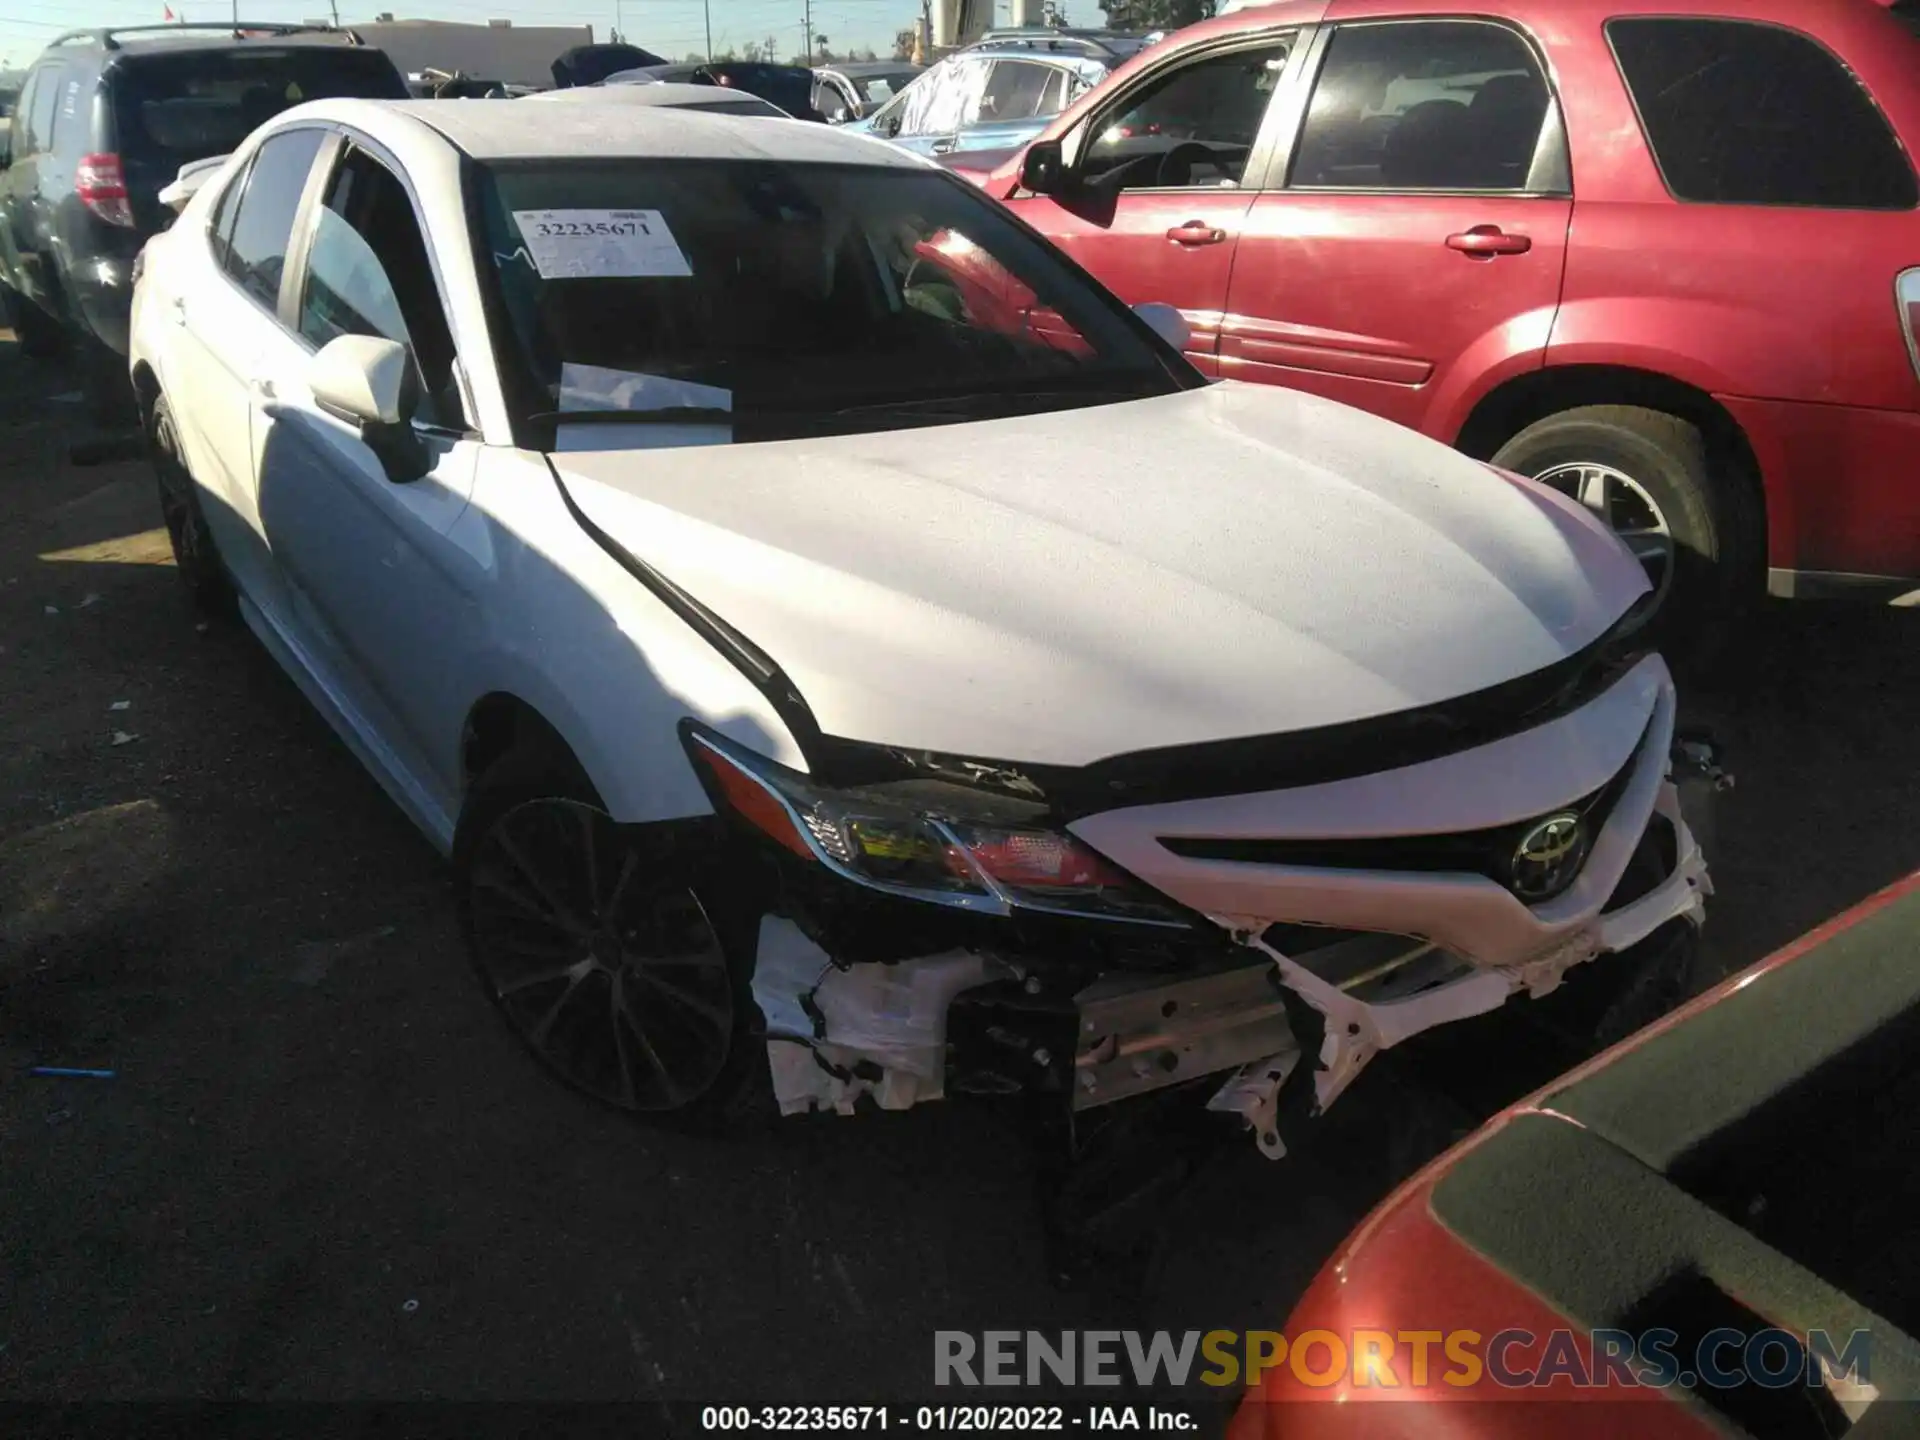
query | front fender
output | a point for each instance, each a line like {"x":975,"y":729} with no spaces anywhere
{"x":603,"y":660}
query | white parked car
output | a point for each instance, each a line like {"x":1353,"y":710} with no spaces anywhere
{"x":834,"y":638}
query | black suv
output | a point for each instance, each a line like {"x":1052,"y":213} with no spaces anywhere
{"x":104,"y":121}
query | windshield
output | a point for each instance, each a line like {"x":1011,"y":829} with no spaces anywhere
{"x":170,"y":109}
{"x":877,"y":89}
{"x":793,"y":300}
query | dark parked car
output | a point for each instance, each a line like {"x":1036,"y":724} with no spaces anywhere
{"x":592,"y":64}
{"x":788,"y":86}
{"x":105,"y":119}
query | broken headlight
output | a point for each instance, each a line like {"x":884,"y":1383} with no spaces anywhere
{"x":945,"y":852}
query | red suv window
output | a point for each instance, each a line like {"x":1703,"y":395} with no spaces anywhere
{"x":1423,"y":105}
{"x":1738,"y":113}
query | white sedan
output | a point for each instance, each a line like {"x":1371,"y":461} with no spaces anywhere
{"x":835,"y":640}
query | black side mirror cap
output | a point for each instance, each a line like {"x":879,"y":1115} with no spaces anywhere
{"x":1043,"y":169}
{"x":402,"y":454}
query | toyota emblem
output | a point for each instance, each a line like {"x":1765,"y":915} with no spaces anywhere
{"x":1548,"y":856}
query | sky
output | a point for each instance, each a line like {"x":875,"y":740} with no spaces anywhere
{"x":668,"y":27}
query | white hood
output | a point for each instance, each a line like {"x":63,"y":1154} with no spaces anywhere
{"x":1236,"y":560}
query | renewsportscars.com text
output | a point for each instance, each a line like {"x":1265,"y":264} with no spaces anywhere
{"x":1400,"y":1359}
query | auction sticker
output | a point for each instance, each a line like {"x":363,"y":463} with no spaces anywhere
{"x":600,"y":244}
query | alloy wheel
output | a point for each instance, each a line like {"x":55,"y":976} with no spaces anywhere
{"x":1627,"y":509}
{"x":609,"y":969}
{"x":176,"y":496}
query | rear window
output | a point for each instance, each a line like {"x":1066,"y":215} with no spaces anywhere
{"x":1738,"y":113}
{"x":787,"y":86}
{"x":170,"y":109}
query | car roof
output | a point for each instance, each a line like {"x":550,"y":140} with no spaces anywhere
{"x":1251,"y":14}
{"x":509,"y":130}
{"x":661,"y":93}
{"x":858,"y":69}
{"x":184,"y":39}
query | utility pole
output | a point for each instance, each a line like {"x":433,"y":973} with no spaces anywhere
{"x":706,"y":9}
{"x":619,"y":29}
{"x":807,"y":49}
{"x":334,"y":6}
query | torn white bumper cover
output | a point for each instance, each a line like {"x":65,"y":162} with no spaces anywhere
{"x":1381,"y":953}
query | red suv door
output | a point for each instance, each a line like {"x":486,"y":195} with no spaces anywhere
{"x":1153,"y":204}
{"x":1409,"y":250}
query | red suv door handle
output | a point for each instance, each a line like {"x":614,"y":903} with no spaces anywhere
{"x":1195,"y":233}
{"x":1483,"y":242}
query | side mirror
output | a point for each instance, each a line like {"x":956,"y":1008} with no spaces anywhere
{"x":369,"y":382}
{"x":1166,"y":322}
{"x":1043,"y":169}
{"x":190,"y":181}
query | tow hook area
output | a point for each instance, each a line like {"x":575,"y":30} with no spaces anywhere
{"x":1700,"y":778}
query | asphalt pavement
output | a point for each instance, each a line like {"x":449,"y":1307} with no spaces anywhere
{"x":324,"y":1170}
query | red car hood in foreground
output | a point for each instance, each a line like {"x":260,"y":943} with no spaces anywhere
{"x":1744,"y":1164}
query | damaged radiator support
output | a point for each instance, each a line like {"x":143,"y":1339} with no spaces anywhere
{"x":966,"y":1023}
{"x":1136,"y":1035}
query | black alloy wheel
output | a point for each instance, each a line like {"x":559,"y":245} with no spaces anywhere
{"x":600,"y":954}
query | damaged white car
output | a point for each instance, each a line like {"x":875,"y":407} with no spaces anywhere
{"x":835,"y":638}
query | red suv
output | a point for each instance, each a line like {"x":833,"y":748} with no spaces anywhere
{"x":1665,"y":260}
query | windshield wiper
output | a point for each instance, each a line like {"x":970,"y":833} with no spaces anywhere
{"x":665,"y":415}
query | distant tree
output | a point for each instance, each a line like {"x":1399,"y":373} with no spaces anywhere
{"x":731,"y":54}
{"x":865,"y":56}
{"x":903,"y":44}
{"x":1156,"y":14}
{"x":692,"y":58}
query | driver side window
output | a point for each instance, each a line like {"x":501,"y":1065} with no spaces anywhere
{"x":368,"y":273}
{"x":1193,"y":127}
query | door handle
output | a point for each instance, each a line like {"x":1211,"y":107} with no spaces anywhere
{"x":262,"y":389}
{"x":1483,"y":242}
{"x":942,"y":147}
{"x":1194,"y":232}
{"x":177,"y":310}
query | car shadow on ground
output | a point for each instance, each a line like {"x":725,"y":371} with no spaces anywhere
{"x":326,"y":1169}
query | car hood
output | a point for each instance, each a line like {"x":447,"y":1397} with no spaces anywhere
{"x":1229,"y":561}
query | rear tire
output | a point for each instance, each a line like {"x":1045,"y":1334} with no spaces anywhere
{"x":1659,"y":462}
{"x":608,"y":949}
{"x":38,"y":333}
{"x":195,"y":558}
{"x":111,"y":405}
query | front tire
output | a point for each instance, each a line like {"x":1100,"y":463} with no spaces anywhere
{"x":195,"y":558}
{"x":1692,"y":524}
{"x":602,"y":946}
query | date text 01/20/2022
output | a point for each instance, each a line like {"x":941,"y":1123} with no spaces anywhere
{"x":755,"y":1419}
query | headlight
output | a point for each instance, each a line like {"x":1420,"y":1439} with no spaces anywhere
{"x":952,"y":851}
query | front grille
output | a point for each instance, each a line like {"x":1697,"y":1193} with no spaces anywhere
{"x":1487,"y":852}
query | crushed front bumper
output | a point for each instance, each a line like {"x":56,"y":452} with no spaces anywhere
{"x":1378,"y":955}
